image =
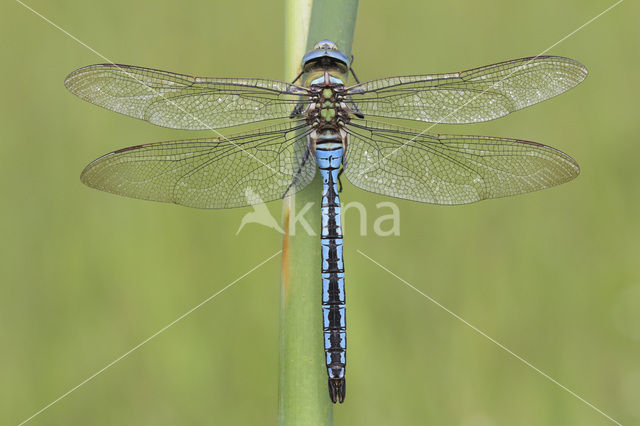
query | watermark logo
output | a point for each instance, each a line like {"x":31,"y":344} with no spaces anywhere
{"x":260,"y":214}
{"x":386,"y":217}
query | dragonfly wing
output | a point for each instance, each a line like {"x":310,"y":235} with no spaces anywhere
{"x":449,"y":169}
{"x":242,"y":169}
{"x":182,"y":101}
{"x":475,"y":95}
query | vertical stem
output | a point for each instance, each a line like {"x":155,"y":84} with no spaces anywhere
{"x":303,"y":397}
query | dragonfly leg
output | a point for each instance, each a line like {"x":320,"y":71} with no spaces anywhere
{"x":340,"y":181}
{"x":305,"y":158}
{"x":296,"y":79}
{"x":354,"y":74}
{"x":297,"y":110}
{"x":354,"y":108}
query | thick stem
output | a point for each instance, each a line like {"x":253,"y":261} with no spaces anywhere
{"x":303,"y":396}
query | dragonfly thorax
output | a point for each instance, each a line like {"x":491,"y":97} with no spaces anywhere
{"x":328,"y":109}
{"x":327,"y":104}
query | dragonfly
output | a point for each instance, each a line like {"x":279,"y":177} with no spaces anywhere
{"x":325,"y":124}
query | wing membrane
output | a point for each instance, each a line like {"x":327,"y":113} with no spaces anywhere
{"x":181,"y":101}
{"x":479,"y":94}
{"x":449,"y":169}
{"x":243,"y":169}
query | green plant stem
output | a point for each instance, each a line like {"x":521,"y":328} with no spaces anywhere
{"x":303,"y":396}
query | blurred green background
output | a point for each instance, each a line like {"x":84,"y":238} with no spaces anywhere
{"x":85,"y":275}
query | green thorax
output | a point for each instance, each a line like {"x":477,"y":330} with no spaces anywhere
{"x":328,"y":110}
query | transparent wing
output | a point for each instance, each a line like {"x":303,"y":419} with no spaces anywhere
{"x":479,"y":94}
{"x":182,"y":101}
{"x":449,"y":169}
{"x":243,"y":169}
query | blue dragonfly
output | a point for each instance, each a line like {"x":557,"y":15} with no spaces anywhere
{"x":325,"y":124}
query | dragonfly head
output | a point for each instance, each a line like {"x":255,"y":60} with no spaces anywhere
{"x":325,"y":54}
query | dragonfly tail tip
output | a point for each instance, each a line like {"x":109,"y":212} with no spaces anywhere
{"x":337,"y":389}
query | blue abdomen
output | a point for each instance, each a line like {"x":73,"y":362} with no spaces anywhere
{"x":329,"y":152}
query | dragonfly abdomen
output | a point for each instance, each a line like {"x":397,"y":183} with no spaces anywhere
{"x":329,"y":152}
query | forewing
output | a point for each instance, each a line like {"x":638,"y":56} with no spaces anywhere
{"x":449,"y":169}
{"x":479,"y":94}
{"x":182,"y":101}
{"x":242,"y":169}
